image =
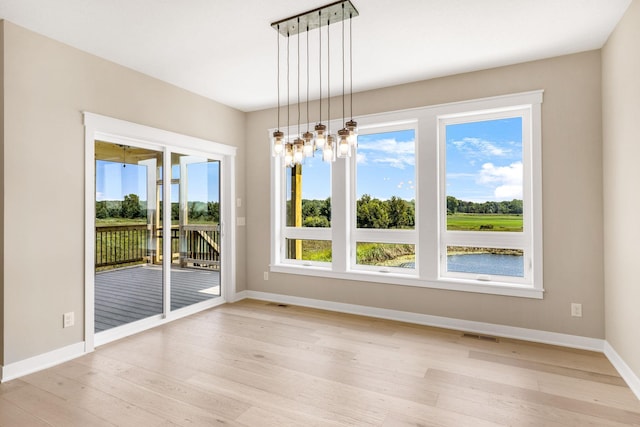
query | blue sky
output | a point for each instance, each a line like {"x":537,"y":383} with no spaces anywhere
{"x":385,"y":168}
{"x":113,"y":181}
{"x":483,"y":163}
{"x":484,"y":160}
{"x":385,"y":165}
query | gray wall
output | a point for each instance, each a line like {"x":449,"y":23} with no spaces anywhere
{"x":621,"y":154}
{"x":572,"y":199}
{"x":46,"y":87}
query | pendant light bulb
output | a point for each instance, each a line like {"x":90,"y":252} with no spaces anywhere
{"x":278,"y":143}
{"x":320,"y":136}
{"x":309,"y":146}
{"x":288,"y":155}
{"x":298,"y":151}
{"x":352,"y":127}
{"x":344,"y":148}
{"x":329,"y":151}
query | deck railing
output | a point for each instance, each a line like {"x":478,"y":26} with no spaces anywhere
{"x":121,"y":244}
{"x":131,"y":244}
{"x":202,"y":245}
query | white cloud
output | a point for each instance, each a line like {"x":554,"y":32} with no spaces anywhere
{"x":508,"y":192}
{"x":506,"y":179}
{"x":389,"y":145}
{"x":399,"y":162}
{"x":480,"y":148}
{"x":453,"y":175}
{"x":389,"y":152}
{"x":361,"y":158}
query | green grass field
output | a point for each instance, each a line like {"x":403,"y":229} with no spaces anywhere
{"x":367,"y":253}
{"x":316,"y":250}
{"x":484,"y":222}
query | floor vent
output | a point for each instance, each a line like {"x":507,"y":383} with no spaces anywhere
{"x":480,"y":337}
{"x":275,"y":304}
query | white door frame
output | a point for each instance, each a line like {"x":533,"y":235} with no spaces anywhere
{"x":103,"y":128}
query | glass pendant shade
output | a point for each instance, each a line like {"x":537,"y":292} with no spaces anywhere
{"x":277,"y":143}
{"x":344,"y":148}
{"x":298,"y":151}
{"x":288,"y":155}
{"x":309,"y":147}
{"x":329,"y":150}
{"x":320,"y":135}
{"x":352,"y":127}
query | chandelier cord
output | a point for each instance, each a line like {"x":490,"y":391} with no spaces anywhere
{"x":298,"y":76}
{"x":307,"y":78}
{"x":351,"y":65}
{"x":328,"y":78}
{"x":288,"y":81}
{"x":278,"y":41}
{"x":320,"y":58}
{"x":342,"y":61}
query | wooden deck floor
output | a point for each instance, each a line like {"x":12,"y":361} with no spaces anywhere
{"x":129,"y":294}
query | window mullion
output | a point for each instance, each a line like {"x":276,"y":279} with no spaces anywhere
{"x":340,"y":236}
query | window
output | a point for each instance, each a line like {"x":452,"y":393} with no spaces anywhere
{"x":383,"y":202}
{"x":446,"y":197}
{"x":485,"y":201}
{"x":307,"y":216}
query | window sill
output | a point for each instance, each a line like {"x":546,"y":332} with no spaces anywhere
{"x":411,"y":279}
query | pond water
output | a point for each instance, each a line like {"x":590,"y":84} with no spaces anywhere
{"x":503,"y":265}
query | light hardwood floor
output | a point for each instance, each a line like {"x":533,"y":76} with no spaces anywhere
{"x":259,"y":364}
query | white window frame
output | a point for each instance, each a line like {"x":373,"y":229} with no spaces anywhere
{"x":373,"y":235}
{"x":279,"y":172}
{"x":427,"y":234}
{"x":488,"y":239}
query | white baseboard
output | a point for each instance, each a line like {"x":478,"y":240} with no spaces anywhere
{"x":632,"y":380}
{"x":554,"y":338}
{"x":41,"y":361}
{"x":239,"y":296}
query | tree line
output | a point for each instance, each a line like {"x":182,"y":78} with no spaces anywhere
{"x":396,"y":212}
{"x":371,"y":213}
{"x":513,"y":207}
{"x":132,"y":208}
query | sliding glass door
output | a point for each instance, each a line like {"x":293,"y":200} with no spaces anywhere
{"x":128,"y":260}
{"x":195,"y":227}
{"x":148,"y":264}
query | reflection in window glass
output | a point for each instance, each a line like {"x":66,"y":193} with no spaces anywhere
{"x":308,"y":189}
{"x":386,"y":254}
{"x":385,"y":180}
{"x":309,"y":250}
{"x":484,"y":175}
{"x":489,"y":261}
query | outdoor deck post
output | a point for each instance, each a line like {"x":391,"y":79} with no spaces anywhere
{"x":294,"y":247}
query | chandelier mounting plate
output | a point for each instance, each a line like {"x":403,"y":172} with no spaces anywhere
{"x":325,"y":15}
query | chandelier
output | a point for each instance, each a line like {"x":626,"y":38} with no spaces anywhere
{"x":294,"y":147}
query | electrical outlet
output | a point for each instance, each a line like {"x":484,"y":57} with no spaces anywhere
{"x":576,"y":309}
{"x":68,"y":319}
{"x":266,"y":275}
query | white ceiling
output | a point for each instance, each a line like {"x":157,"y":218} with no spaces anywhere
{"x":226,"y":50}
